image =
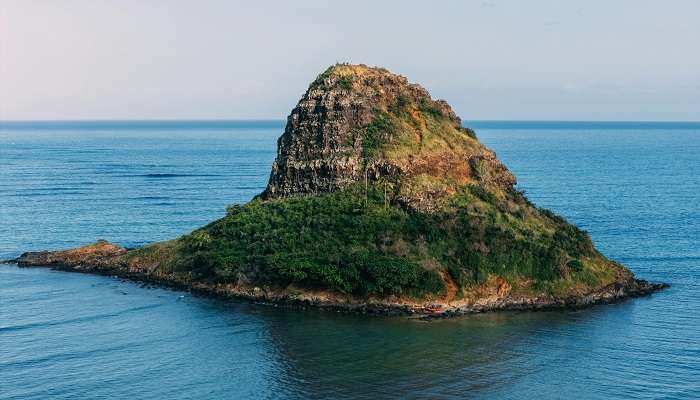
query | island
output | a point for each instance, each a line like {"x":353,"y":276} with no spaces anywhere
{"x":379,"y":201}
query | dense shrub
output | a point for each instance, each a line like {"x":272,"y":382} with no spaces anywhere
{"x":483,"y":194}
{"x":430,"y":108}
{"x":338,"y":241}
{"x":468,"y":131}
{"x":401,"y":107}
{"x":345,"y":82}
{"x":378,"y":131}
{"x":575,"y":265}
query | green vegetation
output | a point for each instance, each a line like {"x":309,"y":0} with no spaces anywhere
{"x":344,"y":81}
{"x":323,"y":76}
{"x":510,"y":246}
{"x":334,"y":241}
{"x":342,"y":242}
{"x":378,"y":133}
{"x":401,"y":107}
{"x":430,"y":108}
{"x":468,"y":131}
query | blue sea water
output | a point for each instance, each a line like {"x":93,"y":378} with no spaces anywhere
{"x":634,"y":186}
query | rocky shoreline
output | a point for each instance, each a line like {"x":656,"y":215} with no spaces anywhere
{"x":104,"y":259}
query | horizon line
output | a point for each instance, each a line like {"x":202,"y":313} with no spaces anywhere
{"x":221,"y":124}
{"x":284,"y":119}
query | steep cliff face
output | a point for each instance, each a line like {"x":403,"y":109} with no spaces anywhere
{"x":357,"y":123}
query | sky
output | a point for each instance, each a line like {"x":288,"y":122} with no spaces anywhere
{"x":498,"y":60}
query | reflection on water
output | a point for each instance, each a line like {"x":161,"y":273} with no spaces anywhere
{"x":449,"y":357}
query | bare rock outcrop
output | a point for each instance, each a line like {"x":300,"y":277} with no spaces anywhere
{"x":358,"y":123}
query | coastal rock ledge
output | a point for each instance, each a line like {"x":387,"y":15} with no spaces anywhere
{"x":379,"y":201}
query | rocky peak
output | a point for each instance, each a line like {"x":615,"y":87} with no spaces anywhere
{"x":357,"y":122}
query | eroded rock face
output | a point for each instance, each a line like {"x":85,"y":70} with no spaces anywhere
{"x":100,"y":254}
{"x":324,"y":145}
{"x":321,"y":148}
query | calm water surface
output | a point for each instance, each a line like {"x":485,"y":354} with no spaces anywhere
{"x":634,"y":186}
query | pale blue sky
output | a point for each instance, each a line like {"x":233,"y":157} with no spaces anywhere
{"x":592,"y":60}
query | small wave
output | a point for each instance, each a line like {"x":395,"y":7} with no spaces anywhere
{"x":51,"y":189}
{"x":162,"y":176}
{"x":151,"y":198}
{"x":43,"y":194}
{"x":53,"y":358}
{"x":87,"y":318}
{"x":676,"y":259}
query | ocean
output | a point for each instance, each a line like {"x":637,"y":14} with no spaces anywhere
{"x":635,"y":186}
